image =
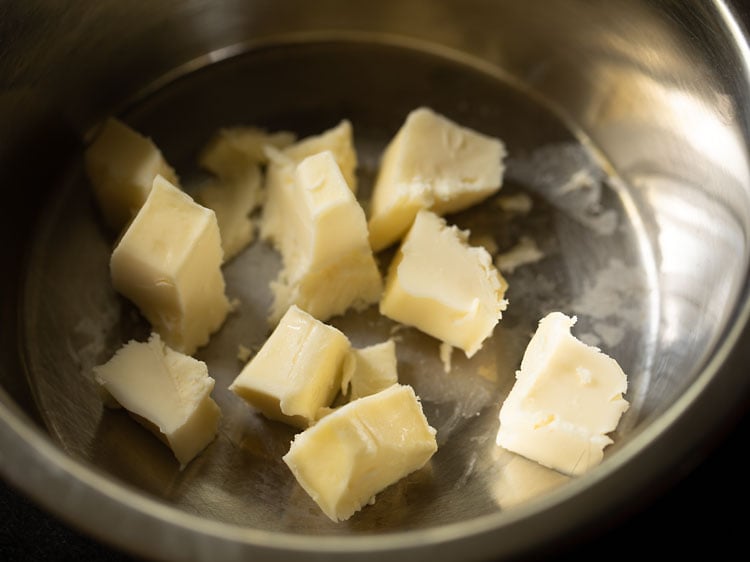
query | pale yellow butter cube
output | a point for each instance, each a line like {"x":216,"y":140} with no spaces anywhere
{"x":328,"y":263}
{"x":168,"y":262}
{"x":444,"y":287}
{"x":296,"y":372}
{"x":233,"y":199}
{"x":279,"y":189}
{"x":370,"y":369}
{"x":360,"y":449}
{"x":279,"y":185}
{"x":234,"y":155}
{"x":231,"y":150}
{"x":339,"y":140}
{"x":166,"y":391}
{"x":567,"y":397}
{"x":121,"y":165}
{"x":432,"y":163}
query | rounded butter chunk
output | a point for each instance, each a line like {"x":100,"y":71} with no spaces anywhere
{"x":432,"y":163}
{"x":167,"y":391}
{"x":360,"y":449}
{"x":328,"y":263}
{"x":298,"y":370}
{"x":370,"y":369}
{"x":231,"y":150}
{"x":282,"y":161}
{"x":444,"y":287}
{"x":168,"y":262}
{"x":233,"y":198}
{"x":567,"y":397}
{"x":121,"y":165}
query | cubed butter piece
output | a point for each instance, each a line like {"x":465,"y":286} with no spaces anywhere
{"x":232,"y":149}
{"x":370,"y":369}
{"x":357,"y":451}
{"x":296,"y":372}
{"x":339,"y":140}
{"x":432,"y":163}
{"x":168,"y":392}
{"x":280,"y":173}
{"x":328,"y":263}
{"x":168,"y":262}
{"x":234,"y":156}
{"x":233,"y":198}
{"x":444,"y":287}
{"x":121,"y":165}
{"x":567,"y":397}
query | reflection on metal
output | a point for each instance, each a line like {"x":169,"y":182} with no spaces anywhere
{"x":521,"y":480}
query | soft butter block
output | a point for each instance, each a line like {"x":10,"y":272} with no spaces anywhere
{"x":432,"y":163}
{"x":444,"y":287}
{"x":231,"y":150}
{"x":339,"y":140}
{"x":567,"y":397}
{"x":168,"y":262}
{"x":297,"y":371}
{"x":280,"y":185}
{"x":233,"y":198}
{"x":360,"y":449}
{"x":370,"y":369}
{"x":166,"y":391}
{"x":328,"y":265}
{"x":121,"y":165}
{"x":234,"y":156}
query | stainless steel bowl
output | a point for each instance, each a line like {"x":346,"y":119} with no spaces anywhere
{"x":626,"y":122}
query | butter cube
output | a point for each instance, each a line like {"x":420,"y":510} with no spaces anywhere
{"x":234,"y":155}
{"x":360,"y":449}
{"x":444,"y":287}
{"x":233,"y":199}
{"x":121,"y":165}
{"x":328,"y":264}
{"x":339,"y":141}
{"x":231,"y":150}
{"x":296,"y":372}
{"x":566,"y":398}
{"x":370,"y":370}
{"x":279,"y":184}
{"x":168,"y":262}
{"x":432,"y":163}
{"x":168,"y":392}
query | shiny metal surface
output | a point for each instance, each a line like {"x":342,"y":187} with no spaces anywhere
{"x":627,"y":126}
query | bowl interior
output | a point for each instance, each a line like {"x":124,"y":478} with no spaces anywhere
{"x":595,"y":265}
